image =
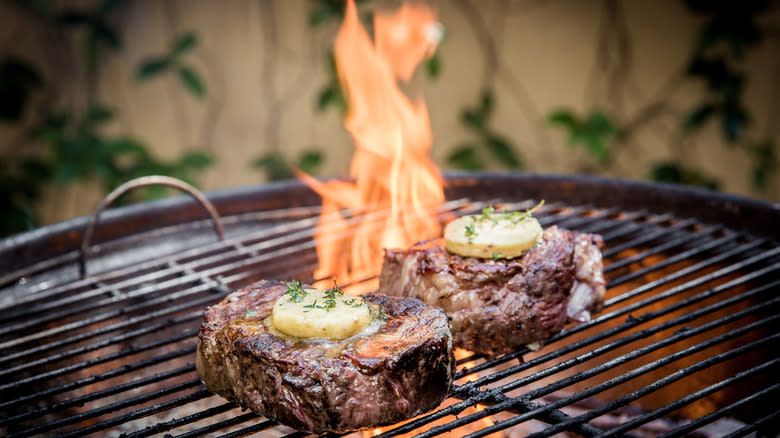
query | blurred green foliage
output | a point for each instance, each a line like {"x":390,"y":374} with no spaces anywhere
{"x":728,"y":31}
{"x":487,"y":144}
{"x":593,"y":132}
{"x":278,"y":167}
{"x":171,"y":61}
{"x":74,"y":146}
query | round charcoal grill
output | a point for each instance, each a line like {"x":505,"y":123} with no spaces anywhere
{"x":686,"y":346}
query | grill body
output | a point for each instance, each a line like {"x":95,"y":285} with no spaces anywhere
{"x":688,"y":340}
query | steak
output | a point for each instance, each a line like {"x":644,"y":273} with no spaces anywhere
{"x":395,"y":369}
{"x":496,"y":306}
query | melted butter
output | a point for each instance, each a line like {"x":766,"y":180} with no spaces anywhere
{"x":319,"y":315}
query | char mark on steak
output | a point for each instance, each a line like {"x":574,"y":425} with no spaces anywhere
{"x":397,"y":368}
{"x":496,"y":306}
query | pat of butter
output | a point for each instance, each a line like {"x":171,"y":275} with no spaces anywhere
{"x":317,"y":315}
{"x":496,"y":236}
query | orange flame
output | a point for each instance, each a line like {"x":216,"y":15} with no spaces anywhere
{"x":391,"y":166}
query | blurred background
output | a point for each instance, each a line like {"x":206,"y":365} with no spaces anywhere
{"x":230,"y":93}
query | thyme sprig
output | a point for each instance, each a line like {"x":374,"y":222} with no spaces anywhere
{"x":297,"y":293}
{"x":295,"y":290}
{"x":489,"y":214}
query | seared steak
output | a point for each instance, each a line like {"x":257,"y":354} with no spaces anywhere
{"x":495,"y":306}
{"x":397,"y":368}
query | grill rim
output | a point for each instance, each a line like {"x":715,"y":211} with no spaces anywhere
{"x":582,"y":213}
{"x":704,"y":205}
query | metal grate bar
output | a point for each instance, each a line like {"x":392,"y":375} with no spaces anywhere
{"x":107,"y":409}
{"x":78,"y":401}
{"x":165,"y":426}
{"x":684,"y":334}
{"x":629,"y":375}
{"x":658,"y":413}
{"x":109,"y":357}
{"x":217,"y":267}
{"x":742,"y":264}
{"x":99,"y":377}
{"x":201,"y":394}
{"x":630,"y":322}
{"x":266,"y":256}
{"x":755,"y":425}
{"x":644,"y":238}
{"x":40,"y":348}
{"x":685,"y":255}
{"x":247,"y":431}
{"x":206,"y":284}
{"x":631,"y":227}
{"x":267,"y":424}
{"x":682,"y":240}
{"x":484,"y":395}
{"x":70,"y":353}
{"x":643,"y":333}
{"x":73,"y":256}
{"x":709,"y":418}
{"x":304,"y":228}
{"x":622,"y":359}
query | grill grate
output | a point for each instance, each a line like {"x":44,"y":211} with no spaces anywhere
{"x":689,"y":329}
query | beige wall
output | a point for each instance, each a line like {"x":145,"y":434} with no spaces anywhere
{"x":263,"y":67}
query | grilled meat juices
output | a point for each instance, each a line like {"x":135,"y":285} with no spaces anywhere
{"x":496,"y":305}
{"x":400,"y":365}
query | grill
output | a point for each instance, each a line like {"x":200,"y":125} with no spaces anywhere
{"x":686,"y":346}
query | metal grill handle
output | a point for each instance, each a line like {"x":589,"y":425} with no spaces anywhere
{"x":143,"y":182}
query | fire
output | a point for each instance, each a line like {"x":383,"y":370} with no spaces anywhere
{"x":392,"y":178}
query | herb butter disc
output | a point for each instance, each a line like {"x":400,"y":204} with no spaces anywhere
{"x":495,"y":235}
{"x":312,"y":313}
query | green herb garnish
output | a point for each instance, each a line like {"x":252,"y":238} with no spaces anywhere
{"x":377,"y":312}
{"x":296,"y":292}
{"x":487,"y":212}
{"x":313,"y":305}
{"x":496,"y":256}
{"x":471,"y":232}
{"x":516,"y":216}
{"x":250,"y":313}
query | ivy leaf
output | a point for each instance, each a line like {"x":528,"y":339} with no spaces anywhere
{"x":487,"y":103}
{"x":764,"y":163}
{"x":473,"y":120}
{"x":191,"y":80}
{"x":734,"y":121}
{"x":275,"y":166}
{"x":564,"y":118}
{"x":698,"y":117}
{"x":184,"y":43}
{"x":126,"y":146}
{"x":105,"y":34}
{"x":310,"y":161}
{"x":503,"y":151}
{"x":465,"y":157}
{"x":196,"y":160}
{"x":320,"y":16}
{"x":66,"y":172}
{"x":433,"y":66}
{"x":593,"y":133}
{"x":151,"y":67}
{"x":99,"y":114}
{"x":331,"y":96}
{"x":671,"y":172}
{"x":600,"y":124}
